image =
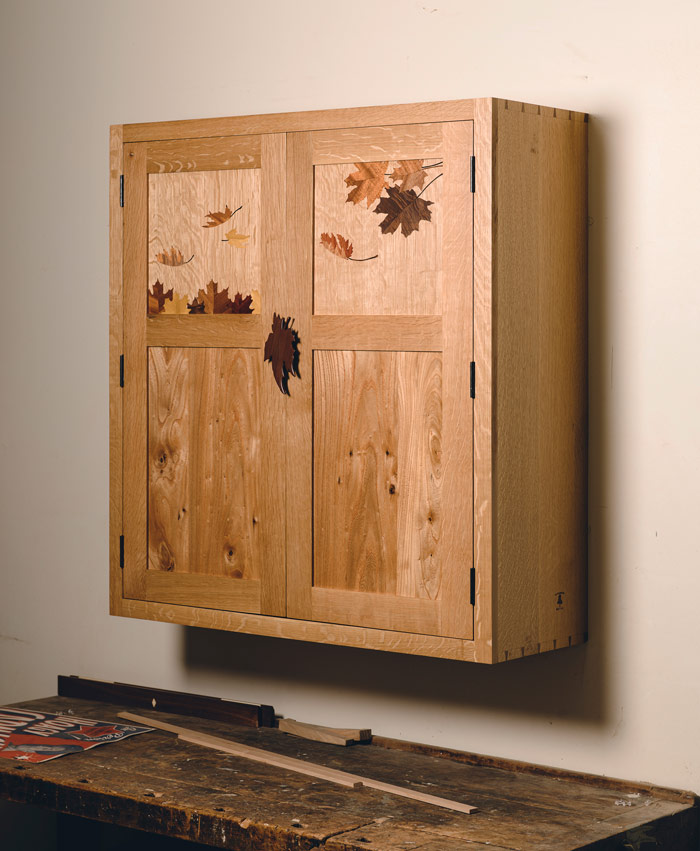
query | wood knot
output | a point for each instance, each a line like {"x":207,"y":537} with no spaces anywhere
{"x":392,"y":489}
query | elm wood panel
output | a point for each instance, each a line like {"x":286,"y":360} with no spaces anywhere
{"x":135,"y":421}
{"x":376,"y":610}
{"x":178,"y":206}
{"x":164,"y":700}
{"x":517,"y":811}
{"x":116,"y":349}
{"x":457,"y":464}
{"x":484,"y":237}
{"x":273,"y":234}
{"x":302,"y":630}
{"x":397,"y":142}
{"x":205,"y":154}
{"x":298,"y":303}
{"x":540,"y":397}
{"x":377,"y":333}
{"x":205,"y":446}
{"x":377,"y":473}
{"x":406,"y":276}
{"x":209,"y":592}
{"x":288,"y":122}
{"x":238,"y":331}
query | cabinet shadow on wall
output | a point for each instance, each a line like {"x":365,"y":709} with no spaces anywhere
{"x":572,"y":683}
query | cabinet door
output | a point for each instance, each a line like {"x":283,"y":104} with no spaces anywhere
{"x":380,"y":424}
{"x":203,"y":491}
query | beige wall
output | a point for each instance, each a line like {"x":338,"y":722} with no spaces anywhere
{"x":627,"y":703}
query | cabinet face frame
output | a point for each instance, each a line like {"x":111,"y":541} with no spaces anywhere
{"x":483,"y":112}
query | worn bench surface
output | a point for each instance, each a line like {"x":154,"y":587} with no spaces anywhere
{"x":155,"y":783}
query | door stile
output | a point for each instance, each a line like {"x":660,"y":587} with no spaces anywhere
{"x":299,"y":305}
{"x":135,"y":365}
{"x":456,"y":610}
{"x":273,"y":591}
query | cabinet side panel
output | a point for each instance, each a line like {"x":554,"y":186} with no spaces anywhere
{"x":540,"y":385}
{"x":116,"y":343}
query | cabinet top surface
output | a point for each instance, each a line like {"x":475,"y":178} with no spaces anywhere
{"x":327,"y":119}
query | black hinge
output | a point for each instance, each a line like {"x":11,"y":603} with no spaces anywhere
{"x":472,"y":586}
{"x":472,"y":173}
{"x":472,"y":380}
{"x":121,"y":190}
{"x":121,"y":370}
{"x":121,"y":551}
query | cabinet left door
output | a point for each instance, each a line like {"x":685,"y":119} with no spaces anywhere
{"x":204,"y":501}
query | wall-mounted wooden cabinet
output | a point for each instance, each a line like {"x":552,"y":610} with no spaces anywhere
{"x":348,"y":376}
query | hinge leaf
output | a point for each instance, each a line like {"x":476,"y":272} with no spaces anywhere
{"x":472,"y":586}
{"x":121,"y":370}
{"x":472,"y":380}
{"x":472,"y":174}
{"x":121,"y":551}
{"x":121,"y":190}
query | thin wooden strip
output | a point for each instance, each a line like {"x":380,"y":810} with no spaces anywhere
{"x":207,"y":154}
{"x":304,"y":630}
{"x":398,"y":142}
{"x":238,"y":332}
{"x":164,"y":700}
{"x":382,"y":611}
{"x":319,"y":733}
{"x":344,"y":778}
{"x":377,"y":333}
{"x":322,"y":119}
{"x":116,"y":349}
{"x":210,"y":592}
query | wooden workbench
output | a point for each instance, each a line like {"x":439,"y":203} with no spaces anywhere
{"x":155,"y":783}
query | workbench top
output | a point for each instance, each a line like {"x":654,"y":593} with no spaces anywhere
{"x":156,"y":783}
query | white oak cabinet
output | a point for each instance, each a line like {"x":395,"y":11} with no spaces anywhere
{"x":348,"y":376}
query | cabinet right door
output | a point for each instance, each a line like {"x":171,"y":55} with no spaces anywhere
{"x":380,"y":424}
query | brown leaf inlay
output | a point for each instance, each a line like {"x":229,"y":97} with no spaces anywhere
{"x":157,"y":298}
{"x":337,"y":245}
{"x":402,"y":208}
{"x":282,"y":350}
{"x":368,"y":181}
{"x":216,"y":219}
{"x":242,"y":304}
{"x":174,"y":257}
{"x":410,"y":173}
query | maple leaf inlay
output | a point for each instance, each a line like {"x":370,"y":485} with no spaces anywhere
{"x":235,"y":238}
{"x":219,"y":218}
{"x":282,"y":350}
{"x":337,"y":245}
{"x":213,"y":300}
{"x":177,"y":305}
{"x":402,"y":208}
{"x":368,"y":181}
{"x":242,"y":304}
{"x":174,"y":257}
{"x":410,"y":173}
{"x":157,"y":298}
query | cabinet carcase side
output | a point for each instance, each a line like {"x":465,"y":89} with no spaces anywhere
{"x":529,"y":256}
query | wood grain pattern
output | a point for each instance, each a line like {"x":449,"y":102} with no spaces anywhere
{"x":289,"y":122}
{"x":342,"y":736}
{"x":207,"y":154}
{"x":541,"y":397}
{"x":404,"y":279}
{"x":377,"y":333}
{"x":135,"y":383}
{"x":116,"y":349}
{"x":485,"y":233}
{"x":239,"y":332}
{"x":178,"y":204}
{"x":377,"y":472}
{"x":304,"y":630}
{"x":398,"y":142}
{"x":298,"y":303}
{"x":209,"y":592}
{"x":457,"y":618}
{"x":205,"y":447}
